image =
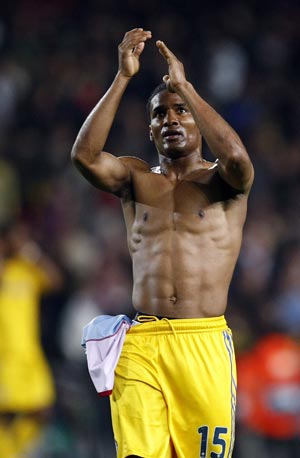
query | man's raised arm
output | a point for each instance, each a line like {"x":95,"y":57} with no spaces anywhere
{"x":234,"y":163}
{"x":104,"y":170}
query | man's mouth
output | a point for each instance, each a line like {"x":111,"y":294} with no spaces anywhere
{"x":171,"y":135}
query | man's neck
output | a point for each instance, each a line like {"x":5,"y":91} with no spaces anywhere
{"x":179,"y":167}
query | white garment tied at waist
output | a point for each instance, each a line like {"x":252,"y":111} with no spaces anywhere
{"x":103,"y":338}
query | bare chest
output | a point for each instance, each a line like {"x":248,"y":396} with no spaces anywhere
{"x":180,"y":196}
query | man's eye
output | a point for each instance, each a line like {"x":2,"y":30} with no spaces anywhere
{"x":159,"y":114}
{"x":182,"y":110}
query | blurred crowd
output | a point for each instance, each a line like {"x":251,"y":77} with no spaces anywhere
{"x":56,"y":60}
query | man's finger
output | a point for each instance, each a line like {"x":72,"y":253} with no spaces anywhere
{"x":164,"y":50}
{"x":134,"y":37}
{"x":138,"y":49}
{"x":167,"y":81}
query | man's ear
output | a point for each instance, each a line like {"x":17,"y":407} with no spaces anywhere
{"x":150,"y":134}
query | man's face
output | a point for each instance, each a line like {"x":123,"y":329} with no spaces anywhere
{"x":172,"y":126}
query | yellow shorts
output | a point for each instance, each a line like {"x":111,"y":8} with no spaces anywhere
{"x":175,"y":390}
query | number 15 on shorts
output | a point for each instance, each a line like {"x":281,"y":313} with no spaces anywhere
{"x":218,"y":442}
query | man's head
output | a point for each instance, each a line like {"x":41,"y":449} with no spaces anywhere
{"x":161,"y":87}
{"x":172,"y":126}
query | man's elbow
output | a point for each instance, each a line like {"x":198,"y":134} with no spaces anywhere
{"x":76,"y":153}
{"x":80,"y":157}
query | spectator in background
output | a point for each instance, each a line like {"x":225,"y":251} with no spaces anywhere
{"x":269,"y":398}
{"x":26,"y":386}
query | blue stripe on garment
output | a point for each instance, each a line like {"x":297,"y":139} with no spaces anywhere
{"x":229,"y":347}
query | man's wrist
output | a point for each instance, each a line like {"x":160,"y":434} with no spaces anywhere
{"x":123,"y":77}
{"x":182,"y":86}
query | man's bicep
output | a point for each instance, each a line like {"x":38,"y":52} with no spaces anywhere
{"x":238,"y":172}
{"x":106,"y":172}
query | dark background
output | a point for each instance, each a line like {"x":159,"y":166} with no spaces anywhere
{"x":56,"y":60}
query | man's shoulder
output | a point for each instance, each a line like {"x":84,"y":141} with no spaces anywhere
{"x":135,"y":163}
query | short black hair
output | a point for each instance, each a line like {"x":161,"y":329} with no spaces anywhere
{"x":160,"y":88}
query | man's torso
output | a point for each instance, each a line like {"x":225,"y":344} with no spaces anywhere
{"x":184,"y":237}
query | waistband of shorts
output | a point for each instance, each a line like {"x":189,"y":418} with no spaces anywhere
{"x":145,"y":317}
{"x":151,"y":324}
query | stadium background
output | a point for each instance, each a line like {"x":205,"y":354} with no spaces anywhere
{"x":57,"y":59}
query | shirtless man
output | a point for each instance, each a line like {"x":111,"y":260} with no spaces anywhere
{"x":175,"y":383}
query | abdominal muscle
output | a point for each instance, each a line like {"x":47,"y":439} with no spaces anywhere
{"x":182,"y":263}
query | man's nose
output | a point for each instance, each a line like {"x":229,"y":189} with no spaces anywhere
{"x":170,"y":118}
